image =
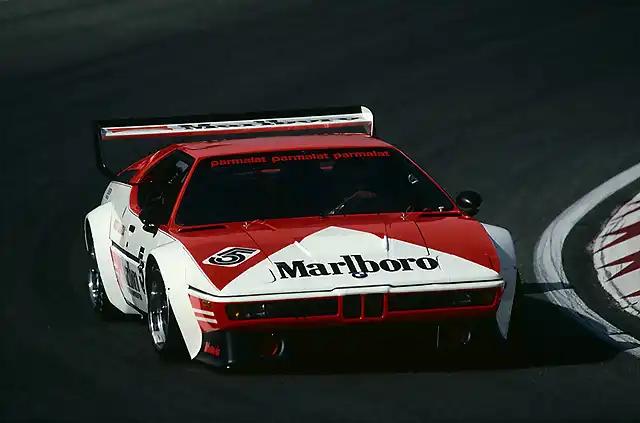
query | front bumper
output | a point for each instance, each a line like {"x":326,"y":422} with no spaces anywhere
{"x":246,"y":331}
{"x":383,"y":340}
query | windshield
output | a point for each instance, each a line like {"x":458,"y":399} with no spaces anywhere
{"x":287,"y":184}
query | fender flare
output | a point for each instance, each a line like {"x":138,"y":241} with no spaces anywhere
{"x":100,"y":220}
{"x":168,"y":258}
{"x":503,"y":243}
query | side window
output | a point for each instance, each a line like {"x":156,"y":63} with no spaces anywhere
{"x":162,"y":183}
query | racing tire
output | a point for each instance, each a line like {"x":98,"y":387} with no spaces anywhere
{"x":97,"y":295}
{"x":165,"y":334}
{"x":514,"y":335}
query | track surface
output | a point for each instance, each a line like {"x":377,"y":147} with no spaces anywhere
{"x":532,"y":104}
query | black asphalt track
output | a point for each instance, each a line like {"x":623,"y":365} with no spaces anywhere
{"x":531,"y":103}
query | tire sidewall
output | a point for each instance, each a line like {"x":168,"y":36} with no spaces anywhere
{"x":104,"y":308}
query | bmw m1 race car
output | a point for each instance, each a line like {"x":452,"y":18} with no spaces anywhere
{"x":289,"y":222}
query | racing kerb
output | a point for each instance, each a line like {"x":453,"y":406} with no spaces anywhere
{"x":548,"y":262}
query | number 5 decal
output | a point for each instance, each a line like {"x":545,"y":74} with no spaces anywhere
{"x":231,"y":256}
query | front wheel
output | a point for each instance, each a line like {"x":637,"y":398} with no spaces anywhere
{"x":165,"y":333}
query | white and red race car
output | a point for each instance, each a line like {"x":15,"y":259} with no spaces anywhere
{"x":291,"y":222}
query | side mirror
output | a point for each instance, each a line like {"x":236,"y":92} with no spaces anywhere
{"x":469,"y":202}
{"x":151,"y":216}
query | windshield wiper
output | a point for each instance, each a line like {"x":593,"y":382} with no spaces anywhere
{"x":258,"y":221}
{"x":357,"y":194}
{"x":437,"y":211}
{"x":337,"y":208}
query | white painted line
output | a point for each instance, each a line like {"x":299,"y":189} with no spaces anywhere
{"x":204,"y":312}
{"x":205,"y":319}
{"x":547,"y":261}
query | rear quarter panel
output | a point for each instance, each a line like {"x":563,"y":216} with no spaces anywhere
{"x":106,"y":226}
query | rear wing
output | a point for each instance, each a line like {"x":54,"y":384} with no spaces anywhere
{"x":250,"y":123}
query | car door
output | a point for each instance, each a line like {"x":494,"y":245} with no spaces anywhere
{"x":161,"y":183}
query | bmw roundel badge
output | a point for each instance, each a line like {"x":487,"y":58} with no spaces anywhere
{"x":359,"y":275}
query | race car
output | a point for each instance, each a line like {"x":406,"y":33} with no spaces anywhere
{"x":279,"y":223}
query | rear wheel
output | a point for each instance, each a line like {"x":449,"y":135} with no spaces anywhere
{"x":165,"y":333}
{"x":97,"y":296}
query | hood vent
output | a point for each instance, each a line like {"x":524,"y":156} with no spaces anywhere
{"x":201,"y":228}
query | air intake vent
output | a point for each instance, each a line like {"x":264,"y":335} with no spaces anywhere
{"x":283,"y":309}
{"x":351,"y":307}
{"x":373,"y":305}
{"x":442,"y":299}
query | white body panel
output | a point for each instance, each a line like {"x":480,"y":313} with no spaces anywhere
{"x":503,"y":242}
{"x":173,"y":264}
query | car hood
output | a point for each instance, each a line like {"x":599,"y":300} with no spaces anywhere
{"x":323,"y":254}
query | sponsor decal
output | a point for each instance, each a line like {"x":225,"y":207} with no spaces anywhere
{"x":266,"y":123}
{"x":141,"y":269}
{"x":231,"y":256}
{"x":118,"y":227}
{"x":339,"y":155}
{"x":127,"y":275}
{"x":107,"y":194}
{"x":355,"y":265}
{"x":117,"y":267}
{"x":212,"y":349}
{"x":247,"y":160}
{"x":132,"y":279}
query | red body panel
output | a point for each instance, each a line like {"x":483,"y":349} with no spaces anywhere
{"x":283,"y":143}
